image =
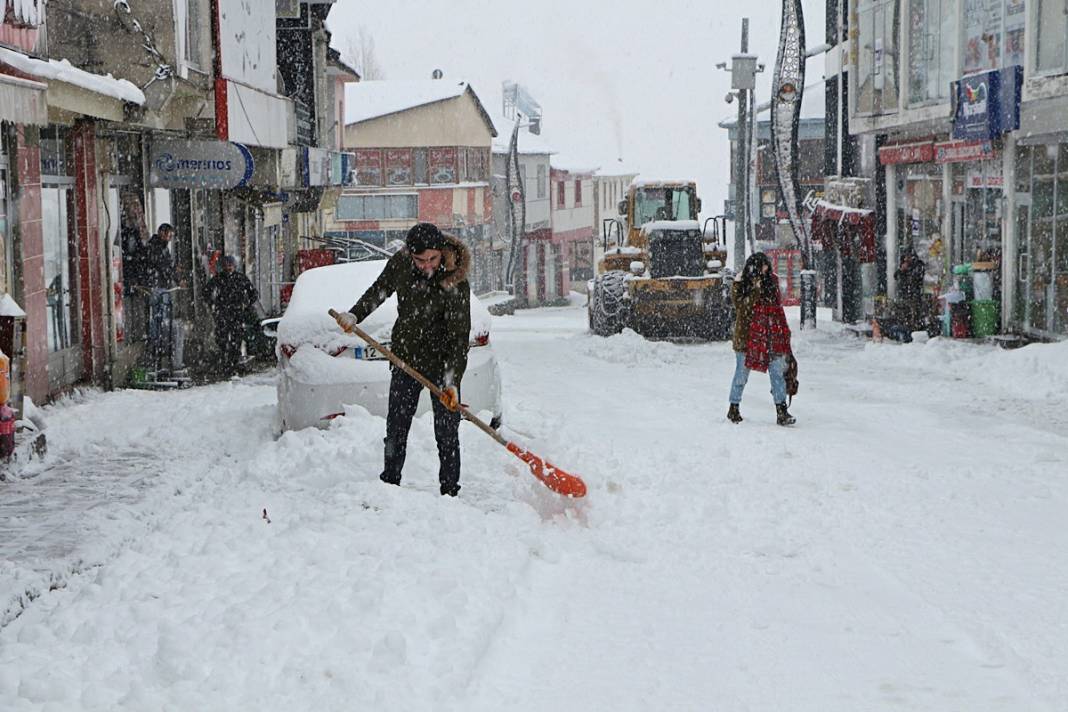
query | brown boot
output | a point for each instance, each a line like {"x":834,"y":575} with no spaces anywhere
{"x":733,"y":414}
{"x":783,"y":416}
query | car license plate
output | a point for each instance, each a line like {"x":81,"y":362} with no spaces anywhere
{"x":367,"y":353}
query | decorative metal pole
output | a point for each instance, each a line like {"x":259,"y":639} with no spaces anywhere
{"x":511,"y":179}
{"x":786,"y":93}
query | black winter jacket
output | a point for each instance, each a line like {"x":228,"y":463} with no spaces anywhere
{"x":433,"y":328}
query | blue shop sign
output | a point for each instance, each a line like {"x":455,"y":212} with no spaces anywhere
{"x":988,"y":104}
{"x":199,"y":164}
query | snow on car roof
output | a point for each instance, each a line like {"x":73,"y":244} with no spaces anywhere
{"x":339,"y":287}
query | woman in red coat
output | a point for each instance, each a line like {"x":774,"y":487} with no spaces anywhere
{"x":761,"y":335}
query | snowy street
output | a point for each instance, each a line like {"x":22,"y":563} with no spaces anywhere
{"x":901,"y":547}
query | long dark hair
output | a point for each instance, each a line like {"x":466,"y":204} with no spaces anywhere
{"x":753,"y":275}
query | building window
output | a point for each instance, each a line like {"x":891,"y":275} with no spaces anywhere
{"x":876,"y":88}
{"x":542,"y":183}
{"x":578,"y":193}
{"x":369,"y":166}
{"x":561,"y":194}
{"x":994,"y":34}
{"x":194,"y":24}
{"x":419,"y":164}
{"x":398,"y":166}
{"x":475,"y":168}
{"x":377,"y":207}
{"x":1052,"y":27}
{"x":443,"y":165}
{"x":932,"y":49}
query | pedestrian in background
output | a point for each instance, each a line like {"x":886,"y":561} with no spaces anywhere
{"x":761,"y":335}
{"x":231,"y":296}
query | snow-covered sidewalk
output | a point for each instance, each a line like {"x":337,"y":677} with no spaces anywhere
{"x":900,"y":548}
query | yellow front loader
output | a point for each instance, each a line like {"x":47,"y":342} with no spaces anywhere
{"x":662,"y":273}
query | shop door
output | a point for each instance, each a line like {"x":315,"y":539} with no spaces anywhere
{"x":1039,"y":292}
{"x":1023,"y":227}
{"x":532,"y":273}
{"x":60,"y":273}
{"x":958,"y":222}
{"x":551,"y":287}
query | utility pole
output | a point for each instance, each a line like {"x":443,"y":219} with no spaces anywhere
{"x":743,"y":70}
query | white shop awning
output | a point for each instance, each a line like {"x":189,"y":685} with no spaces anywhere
{"x":23,"y":101}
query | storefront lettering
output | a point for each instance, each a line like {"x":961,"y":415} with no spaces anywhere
{"x":962,"y":151}
{"x":911,"y":153}
{"x":167,"y":162}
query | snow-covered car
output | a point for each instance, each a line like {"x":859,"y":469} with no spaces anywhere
{"x":321,"y":369}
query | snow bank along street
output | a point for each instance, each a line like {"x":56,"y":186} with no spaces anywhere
{"x":902,"y":547}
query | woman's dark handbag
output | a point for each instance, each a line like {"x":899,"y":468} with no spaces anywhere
{"x":790,"y":376}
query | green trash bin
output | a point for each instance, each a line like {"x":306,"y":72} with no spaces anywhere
{"x":985,"y":320}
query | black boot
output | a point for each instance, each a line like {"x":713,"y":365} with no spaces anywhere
{"x":450,"y":490}
{"x":783,"y":416}
{"x":390,"y":479}
{"x":733,"y":414}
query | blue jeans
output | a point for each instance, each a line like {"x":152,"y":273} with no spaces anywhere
{"x":775,"y":371}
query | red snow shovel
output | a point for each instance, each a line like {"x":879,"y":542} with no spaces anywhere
{"x":550,"y":475}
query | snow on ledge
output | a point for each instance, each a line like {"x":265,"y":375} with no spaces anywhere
{"x":61,"y":70}
{"x":9,"y":307}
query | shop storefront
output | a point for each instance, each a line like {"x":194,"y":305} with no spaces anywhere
{"x":1042,"y":238}
{"x":60,"y":258}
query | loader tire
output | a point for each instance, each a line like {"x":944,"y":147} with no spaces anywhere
{"x":608,"y":308}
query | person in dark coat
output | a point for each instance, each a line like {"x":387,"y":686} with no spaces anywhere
{"x":909,"y":275}
{"x":432,"y":335}
{"x":230,"y":295}
{"x":157,"y":263}
{"x":159,"y":276}
{"x":761,"y":335}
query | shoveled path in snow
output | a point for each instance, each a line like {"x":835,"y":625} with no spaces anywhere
{"x":901,"y":547}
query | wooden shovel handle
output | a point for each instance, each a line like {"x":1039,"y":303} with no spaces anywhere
{"x":399,"y":363}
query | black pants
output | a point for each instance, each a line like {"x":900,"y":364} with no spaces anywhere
{"x":404,"y":394}
{"x":228,"y":334}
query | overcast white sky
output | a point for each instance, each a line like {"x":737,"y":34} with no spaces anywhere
{"x":626,"y":80}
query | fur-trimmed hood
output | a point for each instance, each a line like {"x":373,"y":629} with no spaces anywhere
{"x":455,"y":262}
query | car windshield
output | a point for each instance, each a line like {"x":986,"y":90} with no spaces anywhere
{"x":663,"y":204}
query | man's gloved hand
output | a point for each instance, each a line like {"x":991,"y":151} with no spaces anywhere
{"x":347,"y":320}
{"x":450,"y":398}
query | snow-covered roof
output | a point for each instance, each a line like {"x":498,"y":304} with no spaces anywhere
{"x":374,"y":99}
{"x":60,"y":70}
{"x":529,"y":144}
{"x":571,"y":165}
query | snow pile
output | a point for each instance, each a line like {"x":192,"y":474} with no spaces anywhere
{"x":61,"y":70}
{"x":1035,"y":371}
